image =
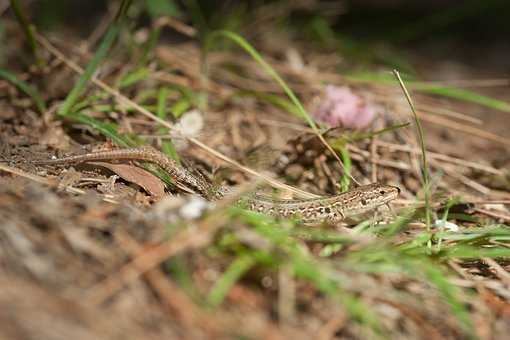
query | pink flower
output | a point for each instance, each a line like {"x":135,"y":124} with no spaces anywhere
{"x":343,"y":107}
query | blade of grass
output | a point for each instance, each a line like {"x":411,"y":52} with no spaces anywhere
{"x":319,"y":235}
{"x":467,"y":96}
{"x":104,"y":47}
{"x":460,"y":251}
{"x":267,"y":68}
{"x":28,"y":30}
{"x":133,"y":77}
{"x":377,"y":77}
{"x":367,"y":135}
{"x":400,"y":224}
{"x":26,"y":88}
{"x":487,"y":235}
{"x":451,"y":202}
{"x":272,"y":99}
{"x":181,"y":106}
{"x":107,"y":129}
{"x":167,"y":145}
{"x":346,"y":159}
{"x":424,"y":165}
{"x":233,"y":273}
{"x":339,"y":142}
{"x":445,"y":91}
{"x":384,"y":257}
{"x":179,"y":271}
{"x":161,"y":110}
{"x":276,"y":77}
{"x":149,"y":46}
{"x":158,"y":8}
{"x":450,"y":295}
{"x":317,"y":272}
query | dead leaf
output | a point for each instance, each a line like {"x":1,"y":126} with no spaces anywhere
{"x":147,"y":181}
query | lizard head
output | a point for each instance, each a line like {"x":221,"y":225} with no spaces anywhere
{"x":368,"y":197}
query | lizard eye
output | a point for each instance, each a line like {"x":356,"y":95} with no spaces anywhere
{"x":382,"y":192}
{"x":363,"y":202}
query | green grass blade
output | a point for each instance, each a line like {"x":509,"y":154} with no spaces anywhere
{"x":26,"y":88}
{"x":107,"y":129}
{"x":449,"y":293}
{"x":424,"y":165}
{"x":181,"y":106}
{"x":28,"y":29}
{"x":467,"y":96}
{"x":318,"y":273}
{"x":178,"y":268}
{"x":80,"y":85}
{"x":272,"y":99}
{"x":161,"y":110}
{"x":445,"y":91}
{"x":134,"y":77}
{"x":93,"y":65}
{"x":233,"y":273}
{"x":273,"y":74}
{"x":475,"y":252}
{"x":269,"y":70}
{"x":345,"y":180}
{"x":321,"y":235}
{"x":167,"y":145}
{"x":158,"y":8}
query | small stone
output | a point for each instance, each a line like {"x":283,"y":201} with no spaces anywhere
{"x":194,"y":208}
{"x":446,"y":225}
{"x":294,"y":171}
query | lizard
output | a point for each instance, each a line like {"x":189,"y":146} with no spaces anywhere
{"x":347,"y":205}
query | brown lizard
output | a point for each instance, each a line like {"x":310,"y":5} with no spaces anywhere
{"x":349,"y":204}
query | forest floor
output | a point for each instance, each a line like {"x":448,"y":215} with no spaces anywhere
{"x":105,"y":250}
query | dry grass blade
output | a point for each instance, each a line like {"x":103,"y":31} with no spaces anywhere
{"x":32,"y":177}
{"x":470,"y":130}
{"x":46,"y":181}
{"x":441,"y":157}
